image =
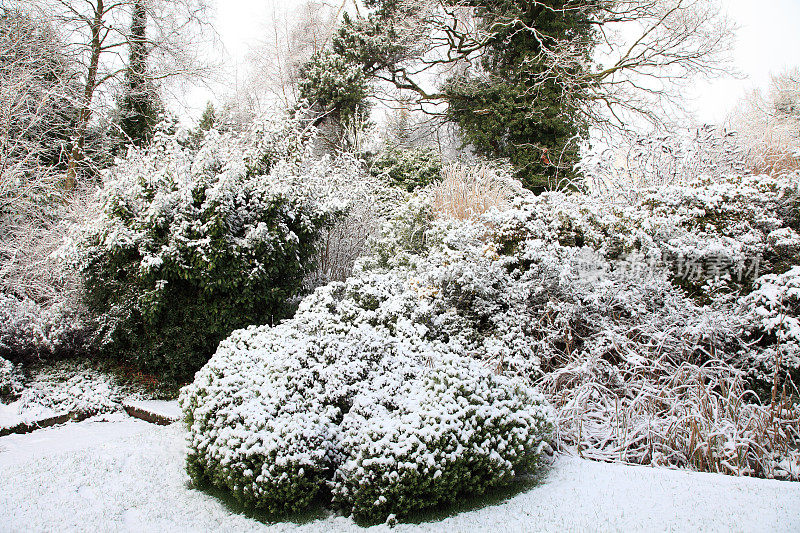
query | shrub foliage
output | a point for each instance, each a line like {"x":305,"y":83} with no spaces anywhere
{"x":191,"y":246}
{"x":411,"y":382}
{"x":348,"y":398}
{"x":408,"y":168}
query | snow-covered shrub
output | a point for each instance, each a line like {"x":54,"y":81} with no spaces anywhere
{"x":565,"y":293}
{"x":366,"y":202}
{"x":459,"y":428}
{"x":714,"y":236}
{"x":41,"y":313}
{"x":774,"y":307}
{"x":579,"y":297}
{"x":29,"y":330}
{"x":72,"y":388}
{"x":9,"y":378}
{"x":190,"y":246}
{"x":407,"y":168}
{"x":349,"y":396}
{"x":730,"y":231}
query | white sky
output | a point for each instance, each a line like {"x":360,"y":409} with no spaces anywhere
{"x":768,"y":41}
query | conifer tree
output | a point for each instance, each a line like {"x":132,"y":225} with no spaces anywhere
{"x":209,"y":118}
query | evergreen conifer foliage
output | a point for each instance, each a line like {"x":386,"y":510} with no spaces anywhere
{"x":501,"y":97}
{"x":209,"y":118}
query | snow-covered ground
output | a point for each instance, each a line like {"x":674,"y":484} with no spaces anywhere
{"x":14,"y":413}
{"x":116,"y":473}
{"x":72,"y":388}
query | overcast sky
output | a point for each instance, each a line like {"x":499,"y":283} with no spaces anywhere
{"x":768,"y":41}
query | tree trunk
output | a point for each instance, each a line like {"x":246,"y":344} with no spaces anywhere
{"x":76,"y":155}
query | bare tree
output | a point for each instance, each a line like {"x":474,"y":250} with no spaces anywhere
{"x":38,"y":87}
{"x":292,"y":36}
{"x":97,"y":33}
{"x":645,"y":51}
{"x":649,"y":51}
{"x":636,"y":164}
{"x":768,"y":124}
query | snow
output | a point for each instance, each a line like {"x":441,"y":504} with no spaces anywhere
{"x":123,"y":474}
{"x":51,"y":443}
{"x":15,"y":413}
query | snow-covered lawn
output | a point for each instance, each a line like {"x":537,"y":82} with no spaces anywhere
{"x":116,"y":473}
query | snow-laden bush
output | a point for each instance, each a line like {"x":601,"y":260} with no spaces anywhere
{"x":582,"y":298}
{"x":714,"y":236}
{"x":407,"y":168}
{"x":28,"y":330}
{"x":349,"y":397}
{"x":70,"y":387}
{"x":613,"y":330}
{"x":190,"y":246}
{"x":459,"y":428}
{"x":366,"y":202}
{"x":560,"y":292}
{"x":9,"y":378}
{"x":774,"y":307}
{"x":41,"y":314}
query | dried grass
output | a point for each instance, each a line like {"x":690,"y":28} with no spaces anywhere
{"x":468,"y":191}
{"x":683,"y":415}
{"x":774,"y":159}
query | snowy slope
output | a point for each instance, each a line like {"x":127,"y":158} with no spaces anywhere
{"x":126,"y":475}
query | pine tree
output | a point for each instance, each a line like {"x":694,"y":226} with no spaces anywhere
{"x":508,"y":107}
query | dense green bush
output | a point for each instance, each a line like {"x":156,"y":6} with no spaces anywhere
{"x":348,"y":399}
{"x":456,"y":429}
{"x":409,"y":168}
{"x":191,"y":246}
